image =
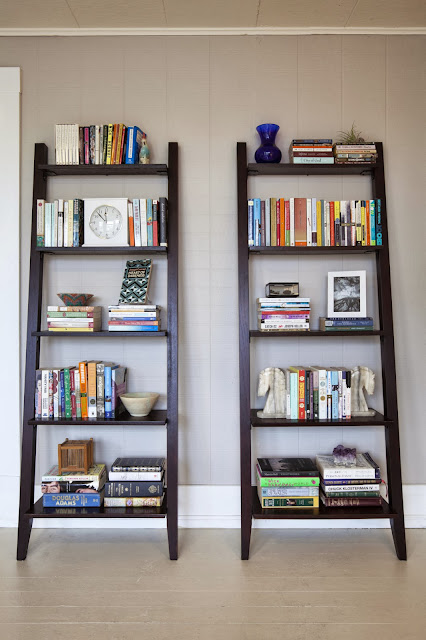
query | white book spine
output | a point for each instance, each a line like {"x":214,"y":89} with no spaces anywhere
{"x":322,"y":394}
{"x":287,"y":389}
{"x":65,"y":231}
{"x":60,"y":223}
{"x":292,"y":222}
{"x":58,"y":150}
{"x":143,"y":223}
{"x":56,"y":394}
{"x":137,"y":222}
{"x":309,"y":222}
{"x":101,"y":144}
{"x":314,"y":220}
{"x":348,"y":398}
{"x":63,"y":143}
{"x":70,"y":223}
{"x":340,"y":396}
{"x":347,"y":488}
{"x":268,"y":222}
{"x":55,"y":224}
{"x":48,"y":224}
{"x":45,"y":393}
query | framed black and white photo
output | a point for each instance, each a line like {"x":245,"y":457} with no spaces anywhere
{"x":346,"y":294}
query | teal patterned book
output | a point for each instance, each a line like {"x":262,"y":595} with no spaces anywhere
{"x":134,"y":289}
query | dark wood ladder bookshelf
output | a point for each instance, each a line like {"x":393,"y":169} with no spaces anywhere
{"x":250,"y":505}
{"x":28,"y":510}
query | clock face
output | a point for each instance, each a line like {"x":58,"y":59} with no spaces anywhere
{"x":106,"y":221}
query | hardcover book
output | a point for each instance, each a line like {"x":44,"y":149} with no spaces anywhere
{"x":73,"y":499}
{"x":290,"y":467}
{"x":365,"y":468}
{"x":286,"y":481}
{"x":134,"y":502}
{"x":133,"y":489}
{"x":138,"y":464}
{"x":96,"y":475}
{"x":134,"y":288}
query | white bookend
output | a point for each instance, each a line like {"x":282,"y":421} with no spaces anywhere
{"x":137,"y":222}
{"x":143,"y":222}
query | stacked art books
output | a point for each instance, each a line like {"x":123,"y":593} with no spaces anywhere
{"x":98,"y":144}
{"x":346,"y":324}
{"x":365,"y":153}
{"x":355,"y":485}
{"x":312,"y":222}
{"x":136,"y":482}
{"x":74,"y":489}
{"x":283,"y":314}
{"x":284,"y":483}
{"x":311,"y":151}
{"x":87,"y":390}
{"x":70,"y":319}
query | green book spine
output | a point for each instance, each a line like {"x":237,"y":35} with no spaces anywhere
{"x":67,"y":391}
{"x":288,"y":482}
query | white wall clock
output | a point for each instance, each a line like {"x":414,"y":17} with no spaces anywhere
{"x":106,"y":222}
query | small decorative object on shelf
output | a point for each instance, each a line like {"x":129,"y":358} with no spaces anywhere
{"x":272,"y":380}
{"x":139,"y":403}
{"x":75,"y":455}
{"x":347,"y":297}
{"x":282,"y":290}
{"x":268,"y":151}
{"x":75,"y":299}
{"x":344,"y":456}
{"x":137,"y":274}
{"x":106,"y":222}
{"x":362,"y":378}
{"x":144,"y":151}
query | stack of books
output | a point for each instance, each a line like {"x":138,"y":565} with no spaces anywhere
{"x":136,"y":482}
{"x":134,"y":317}
{"x":87,"y":390}
{"x":83,"y":319}
{"x":283,"y":314}
{"x":355,"y":153}
{"x":71,"y":489}
{"x":284,"y":483}
{"x":311,"y":151}
{"x":97,"y":144}
{"x":349,"y":486}
{"x":346,"y":324}
{"x":314,"y":222}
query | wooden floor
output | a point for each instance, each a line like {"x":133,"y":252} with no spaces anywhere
{"x":298,"y":584}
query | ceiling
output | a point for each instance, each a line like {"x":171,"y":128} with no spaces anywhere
{"x":249,"y":16}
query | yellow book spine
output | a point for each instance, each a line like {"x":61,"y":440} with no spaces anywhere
{"x":363,"y":235}
{"x":319,"y":225}
{"x":71,"y":329}
{"x":82,"y":367}
{"x":109,"y":143}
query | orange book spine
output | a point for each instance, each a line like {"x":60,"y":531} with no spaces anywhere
{"x":300,"y":222}
{"x":83,"y":389}
{"x":282,"y":222}
{"x":118,"y":147}
{"x":131,"y":224}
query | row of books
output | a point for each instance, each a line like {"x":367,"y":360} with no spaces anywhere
{"x":288,"y":483}
{"x":318,"y":393}
{"x":81,"y":319}
{"x":283,"y":314}
{"x":134,"y":317}
{"x":301,"y":222}
{"x":98,"y":144}
{"x":87,"y":390}
{"x":148,"y":222}
{"x":137,"y":482}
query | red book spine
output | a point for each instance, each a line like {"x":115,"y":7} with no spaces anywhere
{"x":332,"y":223}
{"x":278,"y":223}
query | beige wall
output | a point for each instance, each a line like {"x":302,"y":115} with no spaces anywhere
{"x":207,"y":93}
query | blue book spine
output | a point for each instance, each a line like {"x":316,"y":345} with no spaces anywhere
{"x":349,"y":322}
{"x":334,"y":395}
{"x":379,"y":240}
{"x":108,"y":391}
{"x":256,"y":230}
{"x":250,"y":208}
{"x":133,"y":146}
{"x":372,"y":223}
{"x":62,"y":387}
{"x":73,"y":499}
{"x":149,"y":221}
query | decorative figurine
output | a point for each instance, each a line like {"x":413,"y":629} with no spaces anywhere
{"x":361,"y":378}
{"x":144,"y":152}
{"x":344,"y":456}
{"x":272,"y":379}
{"x":268,"y":151}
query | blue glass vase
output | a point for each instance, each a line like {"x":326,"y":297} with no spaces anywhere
{"x":268,"y":151}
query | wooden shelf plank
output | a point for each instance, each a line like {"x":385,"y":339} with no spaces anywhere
{"x":157,"y":417}
{"x":38,"y":511}
{"x":358,"y":421}
{"x":53,"y":170}
{"x":312,"y":250}
{"x":100,"y":334}
{"x":290,"y":169}
{"x":122,"y":251}
{"x":312,"y":333}
{"x":323,"y":513}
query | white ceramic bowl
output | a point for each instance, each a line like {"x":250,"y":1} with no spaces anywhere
{"x":139,"y":403}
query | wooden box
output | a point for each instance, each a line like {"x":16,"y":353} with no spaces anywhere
{"x":75,"y":455}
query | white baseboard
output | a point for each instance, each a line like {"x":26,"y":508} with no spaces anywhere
{"x":213,"y":507}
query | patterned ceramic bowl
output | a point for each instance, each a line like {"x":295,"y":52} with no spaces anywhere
{"x":75,"y":299}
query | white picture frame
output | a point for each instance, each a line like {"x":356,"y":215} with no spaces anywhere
{"x":347,"y":294}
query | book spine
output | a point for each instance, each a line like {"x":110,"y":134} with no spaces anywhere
{"x":300,"y":222}
{"x":109,"y":143}
{"x":70,"y":225}
{"x":350,"y":482}
{"x":108,"y":391}
{"x":334,"y":395}
{"x":309,"y":222}
{"x":282,"y":222}
{"x":72,"y":499}
{"x":143,"y":222}
{"x":149,"y":221}
{"x":256,"y":222}
{"x":314,"y":160}
{"x":294,"y":395}
{"x":332,"y":236}
{"x":45,"y":394}
{"x":133,"y":502}
{"x":40,"y":222}
{"x":274,"y":503}
{"x":60,"y":230}
{"x":155,"y":223}
{"x":268,"y":222}
{"x":91,"y":389}
{"x":67,"y":393}
{"x":130,"y":145}
{"x":56,"y":393}
{"x":133,"y":489}
{"x":83,"y":388}
{"x":350,"y":502}
{"x":163,"y":222}
{"x":372,"y":223}
{"x":131,"y":224}
{"x":72,"y":393}
{"x":250,"y":218}
{"x":132,"y":476}
{"x":315,"y":397}
{"x":291,"y":492}
{"x":262,"y":224}
{"x":379,"y":228}
{"x":329,"y":396}
{"x":100,"y":390}
{"x":137,"y":222}
{"x":273,"y":222}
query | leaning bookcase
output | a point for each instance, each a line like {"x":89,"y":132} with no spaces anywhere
{"x":29,"y":509}
{"x":250,"y":505}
